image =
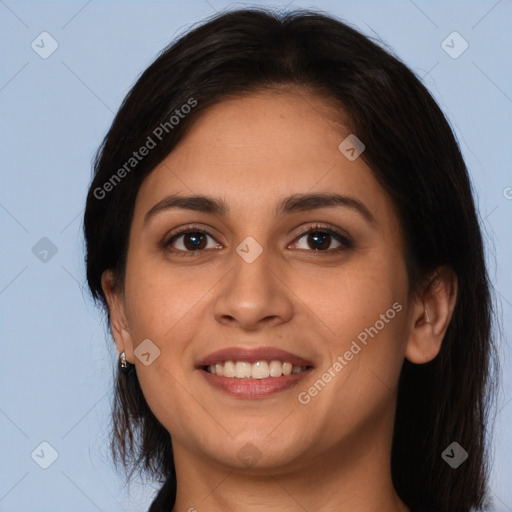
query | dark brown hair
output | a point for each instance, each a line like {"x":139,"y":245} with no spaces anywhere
{"x":413,"y":153}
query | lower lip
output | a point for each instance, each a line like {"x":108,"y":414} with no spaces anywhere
{"x":254,"y":388}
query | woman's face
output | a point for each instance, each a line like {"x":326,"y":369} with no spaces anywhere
{"x":335,"y":300}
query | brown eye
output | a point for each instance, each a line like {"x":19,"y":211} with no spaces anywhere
{"x":189,"y":240}
{"x":320,"y":239}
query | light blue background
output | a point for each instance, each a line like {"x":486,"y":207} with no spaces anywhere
{"x":56,"y":360}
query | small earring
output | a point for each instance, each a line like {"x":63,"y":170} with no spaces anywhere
{"x":124,"y":365}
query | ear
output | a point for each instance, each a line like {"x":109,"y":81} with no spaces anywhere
{"x":431,"y":314}
{"x":117,"y":314}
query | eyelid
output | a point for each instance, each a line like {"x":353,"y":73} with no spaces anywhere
{"x":184,"y":230}
{"x":346,"y":242}
{"x":337,"y":233}
{"x":326,"y":228}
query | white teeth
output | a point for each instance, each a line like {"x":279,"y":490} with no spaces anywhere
{"x":276,"y":368}
{"x":229,"y":369}
{"x":242,"y":370}
{"x":257,"y":370}
{"x":287,"y":368}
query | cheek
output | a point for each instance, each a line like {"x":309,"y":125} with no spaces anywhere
{"x":161,"y":296}
{"x":348,"y":298}
{"x":360,"y":312}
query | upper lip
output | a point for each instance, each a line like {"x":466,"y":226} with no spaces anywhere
{"x":252,"y":355}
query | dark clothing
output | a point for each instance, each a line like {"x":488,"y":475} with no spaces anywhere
{"x":166,"y":497}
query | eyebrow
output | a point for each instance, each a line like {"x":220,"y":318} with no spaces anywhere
{"x":291,"y":204}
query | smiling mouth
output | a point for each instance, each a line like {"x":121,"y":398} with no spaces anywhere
{"x":254,"y":371}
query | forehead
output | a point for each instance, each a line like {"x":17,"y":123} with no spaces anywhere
{"x":265,"y":127}
{"x":257,"y":148}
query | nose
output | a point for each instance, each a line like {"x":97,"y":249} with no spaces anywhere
{"x":253,"y":295}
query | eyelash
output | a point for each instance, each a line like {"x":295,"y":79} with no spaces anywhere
{"x":345,"y":241}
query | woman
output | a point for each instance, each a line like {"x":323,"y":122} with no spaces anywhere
{"x":282,"y":231}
